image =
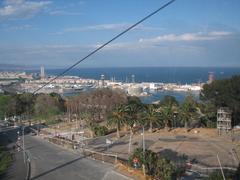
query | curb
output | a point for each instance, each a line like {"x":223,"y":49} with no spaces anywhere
{"x":28,"y":167}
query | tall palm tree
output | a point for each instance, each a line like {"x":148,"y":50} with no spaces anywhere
{"x":168,"y":108}
{"x":188,"y":110}
{"x":117,"y":118}
{"x":134,"y":115}
{"x":151,"y":115}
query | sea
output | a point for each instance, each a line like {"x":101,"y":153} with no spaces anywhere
{"x":180,"y":75}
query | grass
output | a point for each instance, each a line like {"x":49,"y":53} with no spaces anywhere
{"x":5,"y":160}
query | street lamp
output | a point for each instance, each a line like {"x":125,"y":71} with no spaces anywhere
{"x":18,"y":140}
{"x":143,"y":139}
{"x":23,"y":143}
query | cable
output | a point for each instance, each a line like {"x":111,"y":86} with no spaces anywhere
{"x":108,"y":42}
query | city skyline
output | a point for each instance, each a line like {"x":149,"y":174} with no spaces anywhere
{"x":58,"y":33}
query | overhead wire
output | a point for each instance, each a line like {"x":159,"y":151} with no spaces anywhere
{"x":103,"y":45}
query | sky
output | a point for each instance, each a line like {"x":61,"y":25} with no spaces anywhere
{"x":57,"y":33}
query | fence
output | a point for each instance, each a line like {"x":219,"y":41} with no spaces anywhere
{"x":114,"y":159}
{"x":104,"y":157}
{"x":208,"y":170}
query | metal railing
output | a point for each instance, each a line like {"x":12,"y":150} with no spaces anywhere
{"x":209,"y":170}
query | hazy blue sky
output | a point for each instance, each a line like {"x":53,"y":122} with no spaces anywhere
{"x":59,"y":32}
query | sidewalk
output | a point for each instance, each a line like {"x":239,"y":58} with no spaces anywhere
{"x":17,"y":170}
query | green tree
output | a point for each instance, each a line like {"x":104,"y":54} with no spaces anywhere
{"x":4,"y":104}
{"x":100,"y":130}
{"x":168,"y":109}
{"x":46,"y":107}
{"x":151,"y":115}
{"x":169,"y":101}
{"x":117,"y":118}
{"x":5,"y":160}
{"x":134,"y":112}
{"x":208,"y":113}
{"x":188,"y":110}
{"x":164,"y":169}
{"x":90,"y":123}
{"x":156,"y":166}
{"x":224,"y":93}
{"x":26,"y":104}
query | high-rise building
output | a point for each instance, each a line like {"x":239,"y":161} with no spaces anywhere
{"x":133,"y":78}
{"x":211,"y":77}
{"x":42,"y":73}
{"x":102,"y":80}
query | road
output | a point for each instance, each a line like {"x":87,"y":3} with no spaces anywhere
{"x":49,"y":162}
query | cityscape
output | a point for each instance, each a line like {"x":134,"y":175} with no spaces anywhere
{"x":75,"y":84}
{"x":123,"y":90}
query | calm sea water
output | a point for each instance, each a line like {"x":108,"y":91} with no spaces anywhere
{"x":152,"y":74}
{"x":180,"y":75}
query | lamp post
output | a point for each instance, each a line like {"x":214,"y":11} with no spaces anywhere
{"x":23,"y":143}
{"x":143,"y":139}
{"x":174,"y":120}
{"x":130,"y":142}
{"x":18,"y":140}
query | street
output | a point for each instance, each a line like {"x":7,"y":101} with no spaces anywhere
{"x":49,"y":161}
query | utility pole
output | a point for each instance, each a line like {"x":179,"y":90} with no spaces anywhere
{"x":23,"y":143}
{"x":130,"y":142}
{"x":143,"y":165}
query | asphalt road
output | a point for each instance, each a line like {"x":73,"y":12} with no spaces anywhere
{"x":49,"y":162}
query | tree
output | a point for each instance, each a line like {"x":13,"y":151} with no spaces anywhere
{"x":46,"y":106}
{"x":4,"y":103}
{"x":188,"y":110}
{"x":26,"y":102}
{"x":168,"y":109}
{"x":224,"y":93}
{"x":117,"y":118}
{"x":91,"y":124}
{"x":208,"y":114}
{"x":164,"y":169}
{"x":97,"y":103}
{"x":134,"y":113}
{"x":151,"y":115}
{"x":169,"y":101}
{"x":157,"y":167}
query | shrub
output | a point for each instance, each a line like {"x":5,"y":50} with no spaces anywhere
{"x":100,"y":130}
{"x":5,"y":160}
{"x":156,"y":166}
{"x":164,"y":169}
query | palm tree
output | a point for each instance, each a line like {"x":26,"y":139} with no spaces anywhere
{"x":168,"y":108}
{"x":118,"y":118}
{"x":133,"y":114}
{"x":151,"y":115}
{"x":188,"y":110}
{"x":90,"y":123}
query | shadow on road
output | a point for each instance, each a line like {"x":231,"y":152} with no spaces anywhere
{"x":56,"y":168}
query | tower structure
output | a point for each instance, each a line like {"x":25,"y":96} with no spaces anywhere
{"x":42,"y":72}
{"x":211,"y":77}
{"x":224,"y":120}
{"x":133,"y":78}
{"x":102,"y":80}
